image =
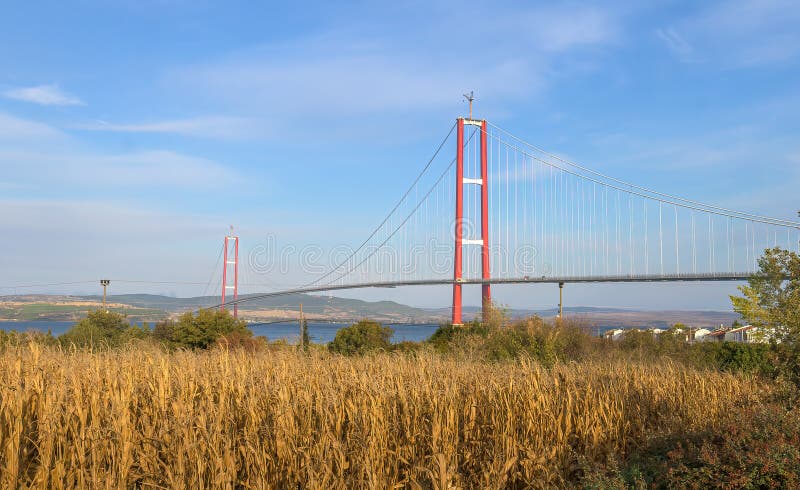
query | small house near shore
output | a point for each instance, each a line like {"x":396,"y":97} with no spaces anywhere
{"x":748,"y":334}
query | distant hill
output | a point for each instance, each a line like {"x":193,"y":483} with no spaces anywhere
{"x":315,"y":307}
{"x":151,"y":307}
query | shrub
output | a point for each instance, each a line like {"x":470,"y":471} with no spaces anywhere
{"x":201,"y":330}
{"x":100,"y":327}
{"x":446,"y":337}
{"x":638,"y":341}
{"x":733,"y":357}
{"x":752,"y":447}
{"x":361,"y":337}
{"x":12,"y":338}
{"x":240,"y":340}
{"x":527,"y":339}
{"x":536,"y":339}
{"x":533,"y":338}
{"x":408,"y":347}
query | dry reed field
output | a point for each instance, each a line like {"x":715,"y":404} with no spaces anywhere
{"x":281,"y":419}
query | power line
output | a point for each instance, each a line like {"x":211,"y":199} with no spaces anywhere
{"x":44,"y":285}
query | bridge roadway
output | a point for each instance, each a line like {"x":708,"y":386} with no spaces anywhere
{"x":703,"y":277}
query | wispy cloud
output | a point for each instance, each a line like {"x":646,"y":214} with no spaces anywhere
{"x":43,"y":95}
{"x":13,"y":128}
{"x":738,"y":33}
{"x":151,"y":168}
{"x":216,"y":127}
{"x":36,"y":154}
{"x":339,"y":75}
{"x":679,"y":47}
{"x":559,"y":28}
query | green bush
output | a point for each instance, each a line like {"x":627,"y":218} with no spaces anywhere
{"x":361,"y":337}
{"x":446,"y":337}
{"x":201,"y":330}
{"x":536,"y":339}
{"x":101,"y":328}
{"x":733,"y":357}
{"x":12,"y":338}
{"x":533,"y":338}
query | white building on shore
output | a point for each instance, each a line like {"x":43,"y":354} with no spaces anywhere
{"x":749,"y":334}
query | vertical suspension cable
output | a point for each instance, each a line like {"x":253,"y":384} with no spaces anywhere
{"x":583,"y":226}
{"x":561,"y":206}
{"x":553,"y":219}
{"x":646,"y":235}
{"x":592,"y":223}
{"x":661,"y":237}
{"x":746,"y":247}
{"x":516,"y":206}
{"x":694,"y":256}
{"x":755,"y":260}
{"x":499,"y":240}
{"x":489,"y":157}
{"x":618,"y":236}
{"x":630,"y":231}
{"x":607,"y":219}
{"x":677,"y":245}
{"x":524,"y":202}
{"x":508,"y":241}
{"x":571,"y":237}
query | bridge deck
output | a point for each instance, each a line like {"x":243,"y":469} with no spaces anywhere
{"x":737,"y":276}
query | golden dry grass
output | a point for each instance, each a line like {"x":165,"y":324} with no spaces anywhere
{"x":279,"y":419}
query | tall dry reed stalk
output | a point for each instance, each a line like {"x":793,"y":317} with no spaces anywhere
{"x":281,"y":419}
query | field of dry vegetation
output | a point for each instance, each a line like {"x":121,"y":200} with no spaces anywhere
{"x":278,"y":418}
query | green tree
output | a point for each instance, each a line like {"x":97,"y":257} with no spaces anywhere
{"x":361,"y":337}
{"x":200,"y":330}
{"x":772,"y":297}
{"x":100,"y":327}
{"x":771,"y":301}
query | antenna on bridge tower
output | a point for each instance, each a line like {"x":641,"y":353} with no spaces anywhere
{"x":470,"y":98}
{"x":234,"y":261}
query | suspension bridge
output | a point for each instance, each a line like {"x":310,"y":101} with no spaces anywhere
{"x":489,"y":208}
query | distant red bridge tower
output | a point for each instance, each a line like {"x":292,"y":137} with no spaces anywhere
{"x":231,"y":247}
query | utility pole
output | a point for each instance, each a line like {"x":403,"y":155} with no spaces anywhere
{"x":303,"y":330}
{"x":105,"y":283}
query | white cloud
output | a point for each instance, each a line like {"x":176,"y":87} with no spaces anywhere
{"x":217,"y":127}
{"x":43,"y":95}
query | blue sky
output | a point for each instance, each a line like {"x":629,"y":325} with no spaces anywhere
{"x":132,"y":133}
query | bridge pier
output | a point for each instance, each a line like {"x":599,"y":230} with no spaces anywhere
{"x":560,"y":300}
